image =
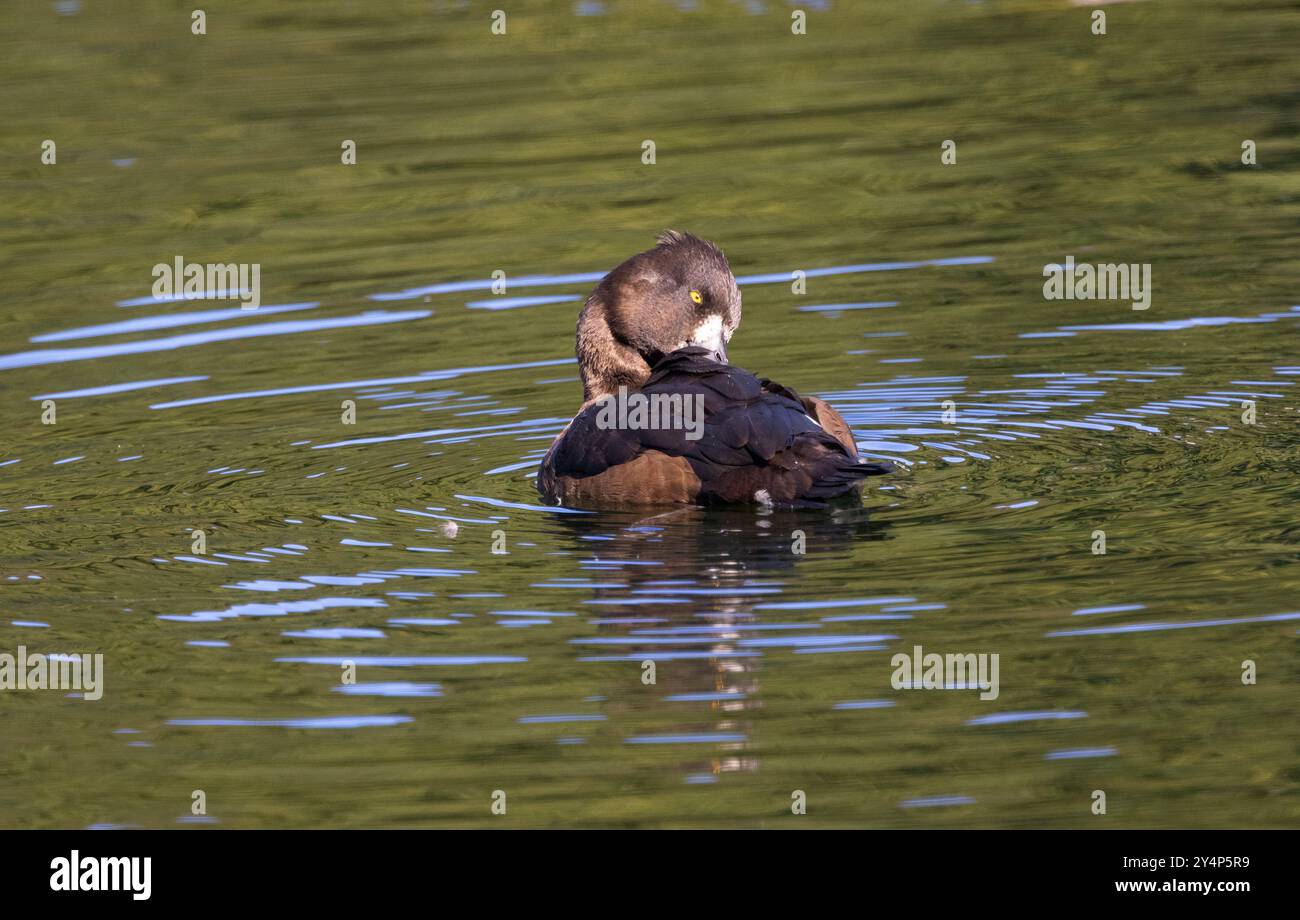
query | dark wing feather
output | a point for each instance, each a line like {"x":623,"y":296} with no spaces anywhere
{"x":759,"y":438}
{"x":586,"y":449}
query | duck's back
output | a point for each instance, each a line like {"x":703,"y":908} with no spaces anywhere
{"x":758,"y":443}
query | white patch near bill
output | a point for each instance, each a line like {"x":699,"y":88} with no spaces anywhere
{"x":708,"y":334}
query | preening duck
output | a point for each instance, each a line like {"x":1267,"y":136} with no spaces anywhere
{"x":666,"y":420}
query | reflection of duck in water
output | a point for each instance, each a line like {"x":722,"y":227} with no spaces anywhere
{"x":719,"y":546}
{"x":702,"y":553}
{"x":657,"y":328}
{"x":680,"y":589}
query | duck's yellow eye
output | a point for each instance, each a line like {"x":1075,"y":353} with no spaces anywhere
{"x":697,"y":297}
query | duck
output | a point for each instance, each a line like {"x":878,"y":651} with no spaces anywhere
{"x":653,"y":335}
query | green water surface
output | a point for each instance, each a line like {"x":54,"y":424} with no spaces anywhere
{"x":523,"y":153}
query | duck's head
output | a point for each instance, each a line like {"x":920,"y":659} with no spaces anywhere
{"x":678,"y":294}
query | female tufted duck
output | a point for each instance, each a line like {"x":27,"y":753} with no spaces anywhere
{"x":665,"y":418}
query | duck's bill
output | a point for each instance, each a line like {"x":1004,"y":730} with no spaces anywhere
{"x":712,"y":340}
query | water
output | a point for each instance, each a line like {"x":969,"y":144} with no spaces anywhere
{"x":523,"y":671}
